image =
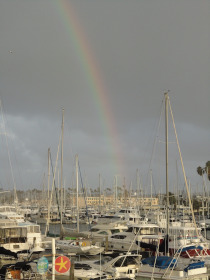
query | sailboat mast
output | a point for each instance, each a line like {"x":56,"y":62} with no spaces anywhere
{"x":48,"y":181}
{"x":167,"y":193}
{"x":48,"y":194}
{"x":9,"y":157}
{"x":151,"y":188}
{"x":61,"y":182}
{"x":99,"y":193}
{"x":138,"y":189}
{"x":77,"y":185}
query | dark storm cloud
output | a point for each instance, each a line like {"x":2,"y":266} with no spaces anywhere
{"x":141,"y":48}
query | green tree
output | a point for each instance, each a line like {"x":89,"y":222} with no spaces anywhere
{"x":172,"y":198}
{"x":208,"y":169}
{"x":196,"y":203}
{"x":200,"y":170}
{"x":108,"y":191}
{"x":203,"y":170}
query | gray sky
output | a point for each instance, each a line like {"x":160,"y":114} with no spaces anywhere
{"x":107,"y":63}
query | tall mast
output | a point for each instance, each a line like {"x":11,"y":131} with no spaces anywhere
{"x":100,"y":193}
{"x":48,"y":181}
{"x":61,"y":182}
{"x":116,"y":195}
{"x":9,"y":157}
{"x":167,"y":193}
{"x":77,"y":185}
{"x":138,"y":189}
{"x":48,"y":194}
{"x":151,"y":186}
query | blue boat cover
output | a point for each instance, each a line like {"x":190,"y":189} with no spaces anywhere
{"x":194,"y":265}
{"x":161,"y":261}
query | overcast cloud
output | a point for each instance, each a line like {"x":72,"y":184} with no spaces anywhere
{"x":140,"y":49}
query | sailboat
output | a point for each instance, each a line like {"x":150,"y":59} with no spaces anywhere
{"x":175,"y":266}
{"x":70,"y":241}
{"x":189,"y":238}
{"x":167,"y":268}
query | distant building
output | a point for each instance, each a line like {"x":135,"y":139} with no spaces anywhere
{"x":145,"y":202}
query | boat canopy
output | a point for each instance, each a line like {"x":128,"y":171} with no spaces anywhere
{"x":160,"y":261}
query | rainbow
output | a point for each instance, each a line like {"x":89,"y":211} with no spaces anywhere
{"x":93,"y":74}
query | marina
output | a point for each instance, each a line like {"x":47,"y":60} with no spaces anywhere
{"x":146,"y":241}
{"x":143,"y":245}
{"x":104,"y":140}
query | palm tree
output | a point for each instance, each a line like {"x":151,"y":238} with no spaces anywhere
{"x":200,"y":170}
{"x":108,"y":191}
{"x":206,"y":169}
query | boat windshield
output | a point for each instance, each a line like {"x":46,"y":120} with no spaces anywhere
{"x":94,"y":230}
{"x":115,"y":231}
{"x":144,"y":230}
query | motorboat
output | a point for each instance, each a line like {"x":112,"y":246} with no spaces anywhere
{"x":99,"y":232}
{"x":136,"y":237}
{"x":192,"y":242}
{"x":79,"y":247}
{"x":20,"y":238}
{"x":167,"y":268}
{"x":124,"y":265}
{"x":9,"y":212}
{"x":123,"y":242}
